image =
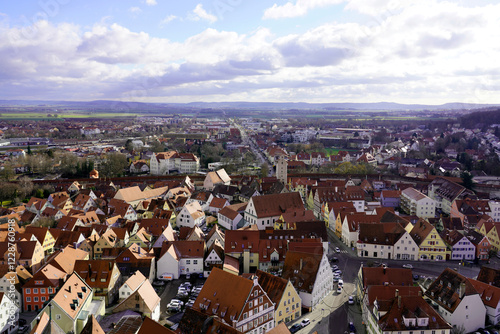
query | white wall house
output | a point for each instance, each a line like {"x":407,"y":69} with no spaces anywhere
{"x":229,"y":218}
{"x":263,"y":211}
{"x":191,"y":215}
{"x":131,"y":285}
{"x":9,"y":315}
{"x":458,"y":302}
{"x":180,"y":258}
{"x":405,"y":248}
{"x":413,"y":202}
{"x":165,"y":162}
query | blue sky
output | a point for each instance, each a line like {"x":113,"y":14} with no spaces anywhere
{"x":406,"y":51}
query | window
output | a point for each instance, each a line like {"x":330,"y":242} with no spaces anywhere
{"x":28,"y":299}
{"x":58,"y":317}
{"x":35,"y":290}
{"x":28,"y":291}
{"x":42,"y":290}
{"x":195,"y":261}
{"x":188,"y":261}
{"x":43,"y":299}
{"x":35,"y":299}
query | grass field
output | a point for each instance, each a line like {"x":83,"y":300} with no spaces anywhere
{"x":61,"y":117}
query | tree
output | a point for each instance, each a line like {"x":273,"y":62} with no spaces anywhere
{"x":467,"y":181}
{"x":8,"y":191}
{"x":114,"y":165}
{"x":25,"y":187}
{"x":45,"y":222}
{"x":129,"y":146}
{"x":7,"y":171}
{"x":264,"y":170}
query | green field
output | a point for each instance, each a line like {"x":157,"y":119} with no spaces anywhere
{"x":43,"y":116}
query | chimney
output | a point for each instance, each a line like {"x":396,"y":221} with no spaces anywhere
{"x":461,"y":291}
{"x":384,"y":269}
{"x":397,"y":293}
{"x":300,"y":264}
{"x":110,"y":265}
{"x":399,"y":301}
{"x":90,"y":269}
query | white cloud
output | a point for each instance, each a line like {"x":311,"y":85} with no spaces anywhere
{"x":199,"y":13}
{"x":151,"y":2}
{"x":422,"y":53}
{"x":168,"y":19}
{"x":299,"y":8}
{"x":135,"y":10}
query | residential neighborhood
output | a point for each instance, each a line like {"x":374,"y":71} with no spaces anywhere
{"x":263,"y":240}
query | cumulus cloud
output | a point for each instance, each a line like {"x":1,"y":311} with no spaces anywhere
{"x":199,"y":13}
{"x":134,"y":10}
{"x":151,"y":2}
{"x":295,"y":9}
{"x":435,"y":51}
{"x":167,"y":19}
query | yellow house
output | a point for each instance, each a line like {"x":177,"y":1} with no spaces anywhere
{"x":494,"y":237}
{"x":71,"y":305}
{"x":107,"y":240}
{"x":287,"y":302}
{"x":244,"y":245}
{"x":43,"y":235}
{"x":431,"y":246}
{"x":310,"y":200}
{"x":142,"y":238}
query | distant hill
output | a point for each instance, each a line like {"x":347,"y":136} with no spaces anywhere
{"x":121,"y":105}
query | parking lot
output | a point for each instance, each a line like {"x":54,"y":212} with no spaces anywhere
{"x":172,"y":290}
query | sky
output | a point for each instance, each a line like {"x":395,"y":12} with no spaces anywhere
{"x":318,"y":51}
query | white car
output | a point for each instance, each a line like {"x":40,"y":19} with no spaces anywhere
{"x":408,"y":266}
{"x":337,"y":249}
{"x":351,"y":300}
{"x":339,"y":290}
{"x":305,"y":322}
{"x":341,"y":283}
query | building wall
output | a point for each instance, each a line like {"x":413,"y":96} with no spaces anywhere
{"x":191,"y":265}
{"x":375,"y":251}
{"x":8,"y":325}
{"x":470,"y":313}
{"x":167,"y":264}
{"x":463,"y":250}
{"x":432,"y":248}
{"x":405,"y":248}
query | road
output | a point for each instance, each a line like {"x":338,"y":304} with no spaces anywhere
{"x":247,"y":141}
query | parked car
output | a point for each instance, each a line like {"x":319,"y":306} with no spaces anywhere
{"x":22,"y":329}
{"x":408,"y":266}
{"x":338,"y":271}
{"x":334,"y":259}
{"x":177,"y":301}
{"x":341,"y":282}
{"x":295,"y":328}
{"x":416,"y":277}
{"x":305,"y":322}
{"x":337,"y":249}
{"x":335,"y":267}
{"x":188,"y":276}
{"x":352,"y":328}
{"x":351,"y":300}
{"x":339,"y":290}
{"x":158,"y":283}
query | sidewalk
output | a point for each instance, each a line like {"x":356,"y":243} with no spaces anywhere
{"x":321,"y":312}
